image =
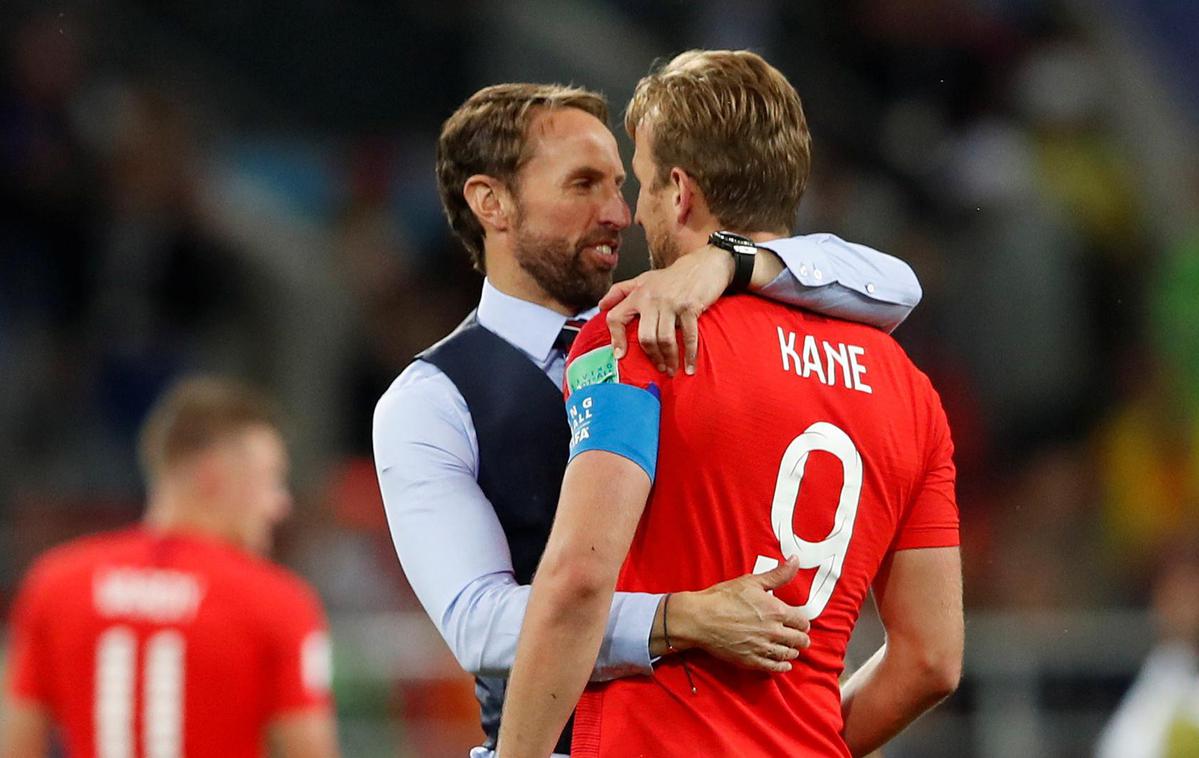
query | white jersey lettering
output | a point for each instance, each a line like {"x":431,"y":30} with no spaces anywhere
{"x":822,"y":360}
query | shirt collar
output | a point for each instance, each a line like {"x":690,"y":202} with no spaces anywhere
{"x":530,"y":327}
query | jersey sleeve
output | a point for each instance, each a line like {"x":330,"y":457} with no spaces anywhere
{"x":299,"y":661}
{"x":613,"y":405}
{"x":29,"y":657}
{"x":932,"y":517}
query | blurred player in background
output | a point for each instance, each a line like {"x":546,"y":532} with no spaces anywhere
{"x":1159,"y":715}
{"x":177,"y":637}
{"x":800,"y":438}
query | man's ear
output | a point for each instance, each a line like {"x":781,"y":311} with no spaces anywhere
{"x":490,"y":201}
{"x":683,"y":195}
{"x":208,"y":472}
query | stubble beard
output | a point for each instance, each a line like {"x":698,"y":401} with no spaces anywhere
{"x":559,"y":269}
{"x":663,"y":248}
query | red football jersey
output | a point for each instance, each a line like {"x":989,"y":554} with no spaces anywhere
{"x":798,"y":435}
{"x":141,"y":644}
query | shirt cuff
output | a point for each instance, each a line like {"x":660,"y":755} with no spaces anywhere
{"x":817,"y":260}
{"x":805,"y":259}
{"x":837,"y":301}
{"x":625,"y":650}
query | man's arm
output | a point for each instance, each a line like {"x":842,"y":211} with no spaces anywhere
{"x":310,"y":733}
{"x":26,"y":718}
{"x":25,"y":730}
{"x":299,"y":673}
{"x":820,"y":272}
{"x":919,"y":595}
{"x":457,"y":559}
{"x":739,"y":621}
{"x":603,"y":496}
{"x":847,"y":280}
{"x":449,"y":539}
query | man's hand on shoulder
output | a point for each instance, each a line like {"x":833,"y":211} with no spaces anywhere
{"x":673,"y":298}
{"x":739,"y":621}
{"x":667,"y":300}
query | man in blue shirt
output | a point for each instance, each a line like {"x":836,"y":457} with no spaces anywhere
{"x":471,"y":440}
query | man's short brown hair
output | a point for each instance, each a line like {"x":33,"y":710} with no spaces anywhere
{"x":196,"y":413}
{"x":488,"y":134}
{"x":736,"y":125}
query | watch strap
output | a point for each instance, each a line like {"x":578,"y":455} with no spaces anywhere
{"x":744,"y":252}
{"x":743,"y":271}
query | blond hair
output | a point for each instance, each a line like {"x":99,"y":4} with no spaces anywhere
{"x":488,"y":134}
{"x":195,"y":414}
{"x":736,"y":125}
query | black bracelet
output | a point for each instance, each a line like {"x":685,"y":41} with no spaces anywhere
{"x":669,"y":647}
{"x":665,"y":628}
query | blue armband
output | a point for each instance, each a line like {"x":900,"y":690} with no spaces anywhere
{"x":619,"y":418}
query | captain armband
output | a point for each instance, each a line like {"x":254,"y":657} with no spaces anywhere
{"x":618,"y":418}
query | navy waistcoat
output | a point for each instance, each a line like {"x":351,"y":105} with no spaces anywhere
{"x":524,"y":440}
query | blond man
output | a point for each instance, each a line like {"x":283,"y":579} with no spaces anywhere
{"x":801,"y":440}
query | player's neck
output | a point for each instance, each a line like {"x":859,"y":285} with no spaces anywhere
{"x":695,"y":237}
{"x":176,"y":513}
{"x":758,"y":236}
{"x":761,"y":237}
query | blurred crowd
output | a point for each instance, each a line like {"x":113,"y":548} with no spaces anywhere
{"x":203,"y":211}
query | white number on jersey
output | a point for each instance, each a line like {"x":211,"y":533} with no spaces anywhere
{"x":162,"y":693}
{"x":828,"y":555}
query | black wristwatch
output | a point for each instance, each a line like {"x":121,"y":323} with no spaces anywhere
{"x":743,"y":251}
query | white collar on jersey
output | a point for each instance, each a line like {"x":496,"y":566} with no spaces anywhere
{"x":530,"y":327}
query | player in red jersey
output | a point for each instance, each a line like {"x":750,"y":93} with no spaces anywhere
{"x":853,"y":478}
{"x":175,"y":638}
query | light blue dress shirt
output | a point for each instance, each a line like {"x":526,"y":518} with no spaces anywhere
{"x":446,"y":533}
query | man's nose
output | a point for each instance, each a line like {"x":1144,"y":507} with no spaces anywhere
{"x":615,"y":212}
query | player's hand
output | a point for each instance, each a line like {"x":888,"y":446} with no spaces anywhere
{"x":668,"y":300}
{"x":742,"y":622}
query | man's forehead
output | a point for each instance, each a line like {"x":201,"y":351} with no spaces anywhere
{"x":643,"y":136}
{"x":570,"y":131}
{"x":643,"y":146}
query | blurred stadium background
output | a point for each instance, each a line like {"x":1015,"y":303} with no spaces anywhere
{"x":248,"y":187}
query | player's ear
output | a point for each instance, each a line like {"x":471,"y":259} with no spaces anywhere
{"x":205,"y":473}
{"x":683,"y":195}
{"x":490,"y":201}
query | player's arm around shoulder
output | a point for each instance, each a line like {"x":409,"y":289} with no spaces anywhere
{"x":819,"y":272}
{"x":302,"y":723}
